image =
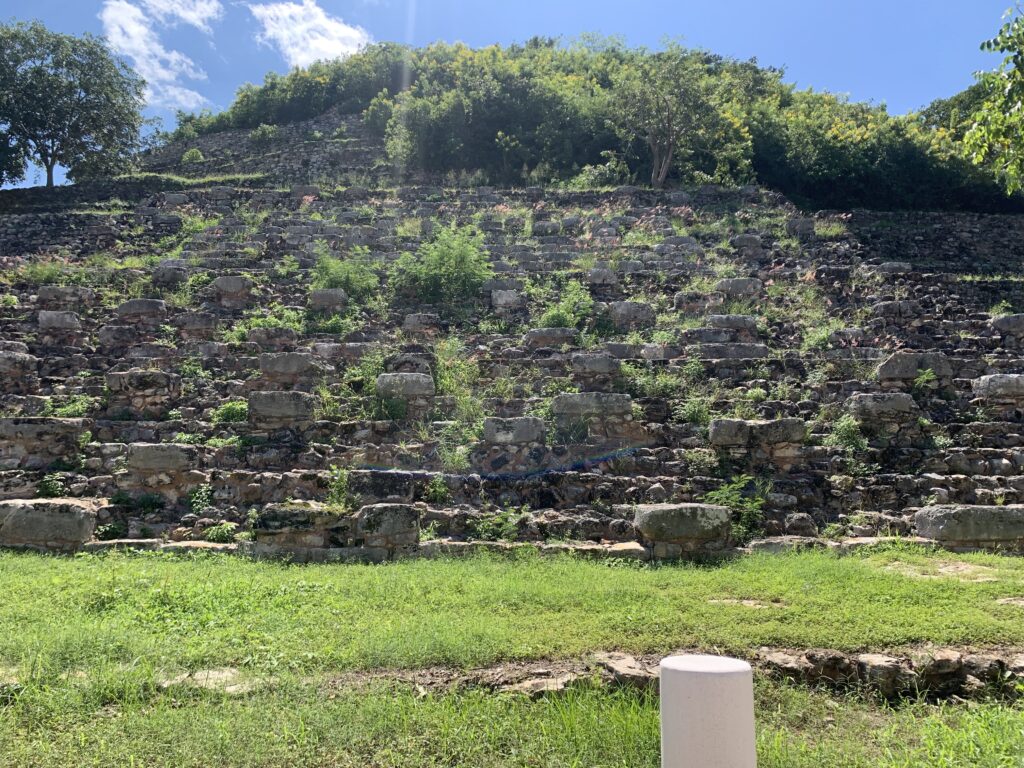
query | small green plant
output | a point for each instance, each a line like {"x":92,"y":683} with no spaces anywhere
{"x":192,"y":156}
{"x":231,"y":412}
{"x":222,"y":533}
{"x":110,"y":531}
{"x":745,"y":497}
{"x":286,"y":267}
{"x":1001,"y":309}
{"x":8,"y":301}
{"x":200,"y":498}
{"x":437,"y":491}
{"x":924,"y":380}
{"x":572,"y":309}
{"x":52,"y":486}
{"x":263,"y":134}
{"x":695,"y":409}
{"x":340,"y":496}
{"x":70,"y":407}
{"x":503,"y":526}
{"x":846,"y":434}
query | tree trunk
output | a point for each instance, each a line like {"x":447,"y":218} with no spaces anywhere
{"x":49,"y":175}
{"x":661,"y":164}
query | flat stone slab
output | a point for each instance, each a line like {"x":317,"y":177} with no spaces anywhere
{"x":969,"y":525}
{"x":49,"y":525}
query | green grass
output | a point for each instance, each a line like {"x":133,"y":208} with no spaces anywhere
{"x":296,"y":722}
{"x":90,"y":638}
{"x":194,"y":613}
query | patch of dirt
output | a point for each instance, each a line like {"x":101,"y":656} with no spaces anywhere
{"x":945,"y":569}
{"x":1016,"y":601}
{"x":227,"y":680}
{"x":776,"y":603}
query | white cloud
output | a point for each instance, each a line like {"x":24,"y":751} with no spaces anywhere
{"x":304,"y":33}
{"x":130,"y":33}
{"x":198,"y":13}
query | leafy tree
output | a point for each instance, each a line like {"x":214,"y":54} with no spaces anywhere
{"x":665,"y":101}
{"x":997,"y":136}
{"x":67,"y":101}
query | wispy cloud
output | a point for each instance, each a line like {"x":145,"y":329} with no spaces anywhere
{"x":304,"y":32}
{"x":131,"y":34}
{"x":198,"y":13}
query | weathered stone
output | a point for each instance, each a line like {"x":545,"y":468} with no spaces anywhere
{"x":232,"y":291}
{"x":549,"y":337}
{"x":1002,"y":387}
{"x":421,"y":322}
{"x":733,"y":322}
{"x":161,"y":457}
{"x":731,"y":351}
{"x":405,"y":385}
{"x":54,"y":320}
{"x":590,"y":364}
{"x":142,"y":311}
{"x":963,"y":525}
{"x":18,"y":373}
{"x":905,"y":367}
{"x":389,"y":525}
{"x":1009,"y":325}
{"x":327,"y":299}
{"x":50,"y":525}
{"x":517,"y":431}
{"x":889,"y":676}
{"x":729,"y":433}
{"x":276,"y":410}
{"x":591,"y":404}
{"x":631,"y":315}
{"x":691,"y":526}
{"x":897,"y":407}
{"x":739,"y":287}
{"x":287,"y":366}
{"x":37,"y":442}
{"x":142,"y":393}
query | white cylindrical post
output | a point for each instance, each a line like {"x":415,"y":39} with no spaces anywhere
{"x":707,"y":713}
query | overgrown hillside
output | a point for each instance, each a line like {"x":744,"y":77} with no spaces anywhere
{"x":599,"y":114}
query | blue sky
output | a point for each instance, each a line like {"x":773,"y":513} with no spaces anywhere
{"x":195,"y":53}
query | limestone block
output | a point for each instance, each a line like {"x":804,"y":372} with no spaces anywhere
{"x":280,"y":410}
{"x":964,"y":525}
{"x":515,"y":431}
{"x":690,"y":526}
{"x":405,"y":386}
{"x":50,"y":525}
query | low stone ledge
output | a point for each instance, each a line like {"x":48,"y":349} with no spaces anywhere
{"x":964,"y":526}
{"x":48,"y":525}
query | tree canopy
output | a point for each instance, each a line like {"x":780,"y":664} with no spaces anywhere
{"x":996,"y":137}
{"x":66,"y":101}
{"x":597,"y":112}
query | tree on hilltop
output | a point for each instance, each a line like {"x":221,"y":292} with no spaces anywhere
{"x":996,"y":137}
{"x":65,"y":100}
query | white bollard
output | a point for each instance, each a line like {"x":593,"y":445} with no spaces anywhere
{"x":707,"y":713}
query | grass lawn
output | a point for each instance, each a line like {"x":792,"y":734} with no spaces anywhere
{"x":90,"y":637}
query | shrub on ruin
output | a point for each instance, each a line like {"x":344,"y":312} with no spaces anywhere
{"x":846,"y":434}
{"x":340,"y":496}
{"x":222,"y":533}
{"x":200,"y":498}
{"x":52,"y":486}
{"x":263,"y":134}
{"x":356,"y":273}
{"x":231,"y":412}
{"x":450,"y":269}
{"x":745,"y":498}
{"x":437,"y":491}
{"x":571,"y":309}
{"x":192,"y":156}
